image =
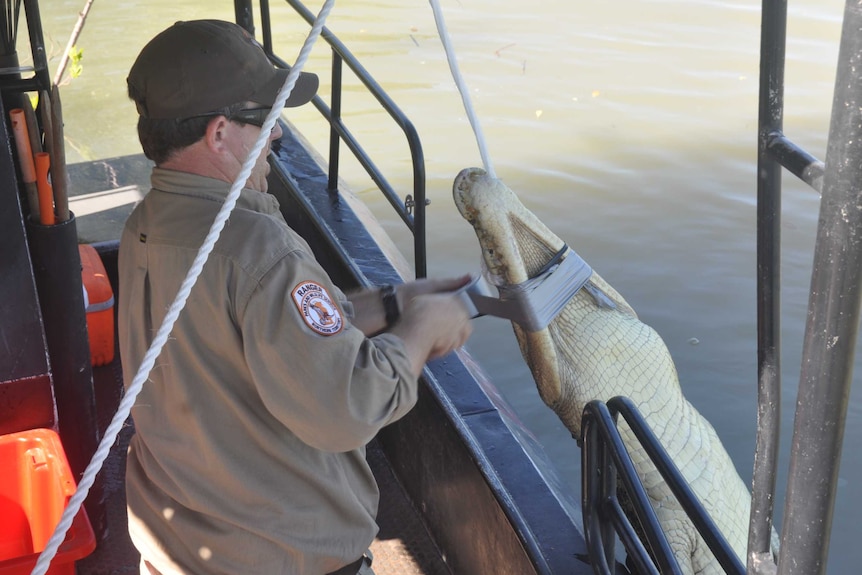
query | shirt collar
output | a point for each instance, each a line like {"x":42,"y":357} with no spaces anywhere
{"x":194,"y":185}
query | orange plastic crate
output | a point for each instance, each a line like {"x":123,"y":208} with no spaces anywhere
{"x":35,"y":486}
{"x":99,"y":304}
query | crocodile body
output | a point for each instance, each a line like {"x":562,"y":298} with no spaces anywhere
{"x":592,"y":351}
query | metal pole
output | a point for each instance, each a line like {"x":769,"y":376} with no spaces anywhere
{"x":419,"y":228}
{"x":244,"y":15}
{"x":37,"y":44}
{"x":266,"y":25}
{"x":771,"y":113}
{"x":832,"y":324}
{"x":335,"y":111}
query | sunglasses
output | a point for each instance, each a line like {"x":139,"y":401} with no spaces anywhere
{"x":253,"y":116}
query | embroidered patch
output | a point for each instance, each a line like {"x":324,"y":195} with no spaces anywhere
{"x":317,"y":308}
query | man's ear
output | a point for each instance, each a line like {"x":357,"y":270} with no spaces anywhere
{"x":216,"y":134}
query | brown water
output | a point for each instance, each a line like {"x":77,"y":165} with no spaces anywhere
{"x":629,"y":127}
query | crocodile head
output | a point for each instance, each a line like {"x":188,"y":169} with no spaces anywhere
{"x":515,"y":243}
{"x":515,"y":246}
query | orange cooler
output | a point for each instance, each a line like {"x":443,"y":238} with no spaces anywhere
{"x":35,"y":486}
{"x":99,"y":302}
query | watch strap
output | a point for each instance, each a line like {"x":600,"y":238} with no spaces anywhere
{"x":390,"y":304}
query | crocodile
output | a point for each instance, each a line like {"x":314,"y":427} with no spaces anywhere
{"x":594,"y":349}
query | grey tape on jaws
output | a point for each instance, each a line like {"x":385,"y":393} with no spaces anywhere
{"x":534,"y":303}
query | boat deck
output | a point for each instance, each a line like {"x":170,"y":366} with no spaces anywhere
{"x":403,"y":545}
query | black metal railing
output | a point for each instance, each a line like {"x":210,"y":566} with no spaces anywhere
{"x":411,"y":210}
{"x":833,"y":308}
{"x":606,"y":463}
{"x":15,"y":78}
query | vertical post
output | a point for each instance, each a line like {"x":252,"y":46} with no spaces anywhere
{"x":26,"y":395}
{"x":608,"y":490}
{"x":266,"y":24}
{"x":335,"y":118}
{"x":770,"y":120}
{"x":598,"y":482}
{"x":419,"y":228}
{"x":57,"y":273}
{"x":37,"y":44}
{"x":244,"y":15}
{"x":832,"y":324}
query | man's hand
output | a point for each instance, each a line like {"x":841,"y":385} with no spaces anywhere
{"x":433,"y":321}
{"x":369,"y":315}
{"x":433,"y":325}
{"x":409,"y":290}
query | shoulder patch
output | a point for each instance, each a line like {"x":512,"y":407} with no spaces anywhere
{"x":317,"y":308}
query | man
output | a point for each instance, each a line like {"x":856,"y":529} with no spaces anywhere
{"x":248,"y":456}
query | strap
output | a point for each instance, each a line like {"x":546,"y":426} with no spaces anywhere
{"x":390,"y":304}
{"x":534,"y":303}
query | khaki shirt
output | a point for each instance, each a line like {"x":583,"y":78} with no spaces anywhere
{"x":249,"y":450}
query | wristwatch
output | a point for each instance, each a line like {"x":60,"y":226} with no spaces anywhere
{"x":390,"y":304}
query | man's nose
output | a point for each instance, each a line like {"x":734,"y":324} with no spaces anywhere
{"x":276,"y":132}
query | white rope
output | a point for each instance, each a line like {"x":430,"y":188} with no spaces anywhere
{"x":177,"y":306}
{"x":462,"y":88}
